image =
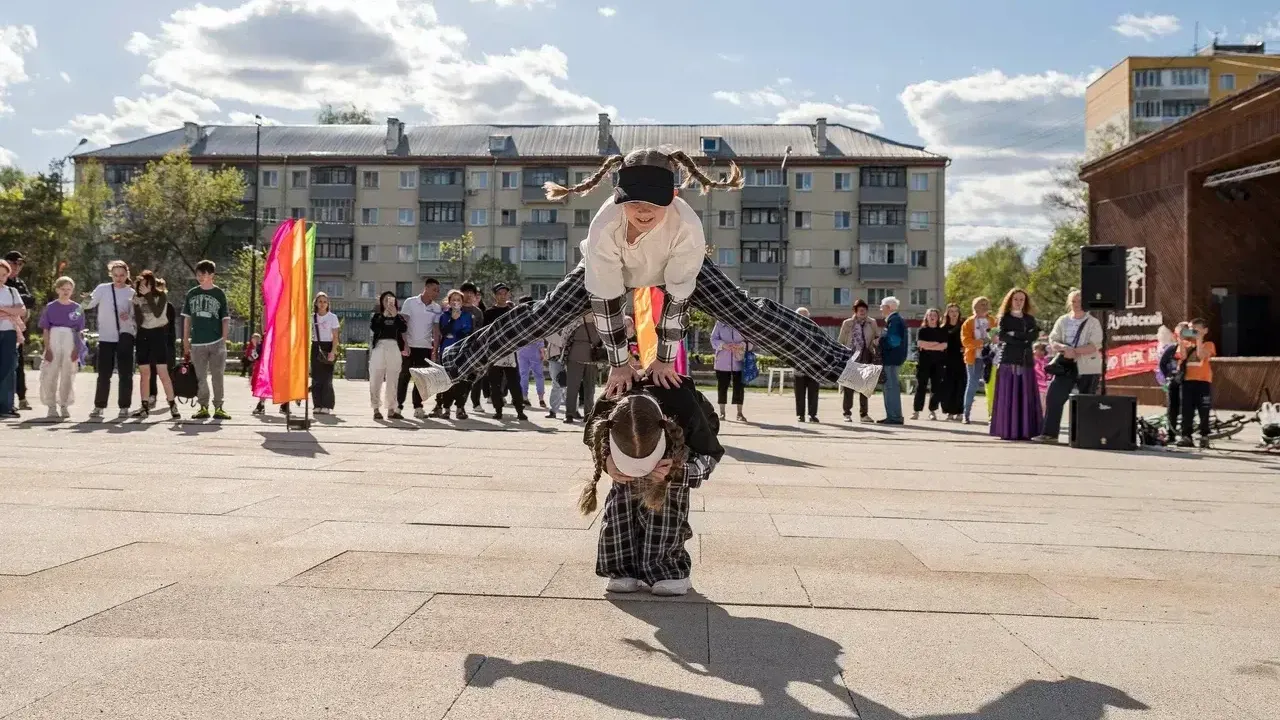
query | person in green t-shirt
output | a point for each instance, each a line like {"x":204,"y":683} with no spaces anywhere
{"x":205,"y":326}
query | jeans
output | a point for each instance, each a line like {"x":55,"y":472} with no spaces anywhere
{"x":8,"y":369}
{"x":1059,"y":391}
{"x":557,"y":390}
{"x":115,"y":357}
{"x":973,"y":377}
{"x":531,"y":366}
{"x":892,"y":393}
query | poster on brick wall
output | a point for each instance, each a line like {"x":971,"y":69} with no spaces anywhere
{"x":1132,"y":359}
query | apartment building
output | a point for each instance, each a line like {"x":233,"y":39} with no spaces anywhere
{"x":1142,"y":94}
{"x":852,"y":215}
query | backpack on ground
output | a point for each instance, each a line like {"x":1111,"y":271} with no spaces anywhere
{"x":185,"y":384}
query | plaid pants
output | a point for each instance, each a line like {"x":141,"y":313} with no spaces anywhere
{"x":766,"y":323}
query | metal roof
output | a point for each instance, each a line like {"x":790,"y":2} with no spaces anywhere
{"x":526,"y":141}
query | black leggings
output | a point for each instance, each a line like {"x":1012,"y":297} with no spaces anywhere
{"x":722,"y":385}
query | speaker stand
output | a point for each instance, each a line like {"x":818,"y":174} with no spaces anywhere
{"x":1106,"y":319}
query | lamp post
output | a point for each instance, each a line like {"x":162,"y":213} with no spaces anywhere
{"x":782,"y":228}
{"x":62,"y":164}
{"x":253,"y":246}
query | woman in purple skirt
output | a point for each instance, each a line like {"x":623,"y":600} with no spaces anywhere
{"x":1017,"y":414}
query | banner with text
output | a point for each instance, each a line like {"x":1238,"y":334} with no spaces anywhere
{"x":1132,"y":359}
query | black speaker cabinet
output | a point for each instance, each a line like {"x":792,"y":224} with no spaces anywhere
{"x":1104,"y":422}
{"x":1102,"y":277}
{"x":1245,"y":326}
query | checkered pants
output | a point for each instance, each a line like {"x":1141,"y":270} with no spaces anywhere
{"x":766,"y":323}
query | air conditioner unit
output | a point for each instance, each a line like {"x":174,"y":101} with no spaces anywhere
{"x":844,"y":270}
{"x":473,"y":193}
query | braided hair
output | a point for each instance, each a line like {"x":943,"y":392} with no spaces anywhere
{"x":635,"y":425}
{"x":669,"y":159}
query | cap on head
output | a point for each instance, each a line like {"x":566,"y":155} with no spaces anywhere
{"x":13,"y":256}
{"x":499,"y":287}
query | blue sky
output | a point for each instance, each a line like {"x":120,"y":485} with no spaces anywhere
{"x":997,"y":85}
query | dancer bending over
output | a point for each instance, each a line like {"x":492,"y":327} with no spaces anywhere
{"x":647,"y":236}
{"x":656,"y":444}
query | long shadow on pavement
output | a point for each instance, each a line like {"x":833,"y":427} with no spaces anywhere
{"x":780,"y":655}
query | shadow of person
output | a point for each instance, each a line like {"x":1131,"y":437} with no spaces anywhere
{"x":1070,"y":698}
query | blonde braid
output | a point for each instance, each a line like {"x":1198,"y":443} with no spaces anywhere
{"x":555,"y":191}
{"x":733,"y":182}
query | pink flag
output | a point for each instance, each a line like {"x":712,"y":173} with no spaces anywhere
{"x":272,"y":291}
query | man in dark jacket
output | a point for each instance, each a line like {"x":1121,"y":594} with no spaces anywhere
{"x":503,"y":375}
{"x":893,"y":353}
{"x":14,"y":258}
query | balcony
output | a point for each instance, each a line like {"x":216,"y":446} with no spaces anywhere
{"x":331,"y":192}
{"x":759,"y":271}
{"x":544,"y":231}
{"x":880,"y":233}
{"x":761,"y":231}
{"x":334,"y":266}
{"x":324,"y":187}
{"x":532,"y":190}
{"x":330,"y":229}
{"x":870,"y":194}
{"x":433,"y":268}
{"x":440,"y":230}
{"x":882,"y":273}
{"x":769,"y":195}
{"x":441,"y":192}
{"x":543,"y":268}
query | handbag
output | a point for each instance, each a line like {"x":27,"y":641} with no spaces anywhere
{"x":598,"y":354}
{"x":750,"y":368}
{"x":321,"y":356}
{"x":1063,"y":366}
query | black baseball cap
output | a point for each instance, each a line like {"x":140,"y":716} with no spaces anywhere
{"x":469,"y":287}
{"x":498,"y":287}
{"x":13,"y":256}
{"x":645,"y":183}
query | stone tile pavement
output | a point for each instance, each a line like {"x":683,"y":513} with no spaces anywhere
{"x":427,"y":570}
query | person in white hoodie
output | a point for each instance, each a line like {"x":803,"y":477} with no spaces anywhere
{"x":645,"y":235}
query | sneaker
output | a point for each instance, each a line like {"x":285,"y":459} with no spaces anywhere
{"x":394,"y":415}
{"x":1186,"y":442}
{"x":1045,"y":440}
{"x":284,"y":409}
{"x":377,"y":414}
{"x":173,"y":411}
{"x":568,"y":419}
{"x":64,"y":411}
{"x":202,"y":413}
{"x":799,"y":418}
{"x":521,"y":416}
{"x":24,"y":405}
{"x":461,"y":414}
{"x":430,"y":380}
{"x":220,"y":414}
{"x":95,"y":414}
{"x":967,"y":421}
{"x":865,"y":419}
{"x":151,"y":401}
{"x":915,"y":416}
{"x":421,"y":413}
{"x":848,"y":417}
{"x":670,"y":588}
{"x":141,"y":413}
{"x":497,"y":415}
{"x":542,"y":403}
{"x":123,"y":414}
{"x":888,"y":421}
{"x":53,"y":414}
{"x":933,"y":415}
{"x":552,"y":414}
{"x":813,"y":418}
{"x":859,"y":377}
{"x":624,"y":585}
{"x":12,"y":414}
{"x":259,"y":409}
{"x":1204,"y":443}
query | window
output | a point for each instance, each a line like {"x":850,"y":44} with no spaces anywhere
{"x":1189,"y":77}
{"x":726,"y":257}
{"x":440,"y":212}
{"x":883,"y":254}
{"x":429,"y":250}
{"x":369,"y":216}
{"x":581,"y":218}
{"x":368,"y":253}
{"x":332,"y":210}
{"x":404,"y":253}
{"x":408,"y":179}
{"x":759,"y":216}
{"x":803,"y":258}
{"x":497,"y":143}
{"x":404,"y":290}
{"x":727,"y":219}
{"x":440,"y":177}
{"x":844,"y":181}
{"x":538,"y":176}
{"x":880,"y":215}
{"x":509,"y":255}
{"x":875,"y":296}
{"x":270,"y":178}
{"x":769,"y":292}
{"x":369,"y":179}
{"x":332,"y":176}
{"x":883,"y":177}
{"x":544,"y":217}
{"x":334,"y":248}
{"x":510,"y":180}
{"x":332,"y":288}
{"x":542,"y":250}
{"x":919,"y":182}
{"x":920,"y":297}
{"x":803,"y":220}
{"x":297,"y":213}
{"x":480,"y":179}
{"x":802,"y":296}
{"x":269,"y":214}
{"x":298,"y":178}
{"x":1146,"y":109}
{"x":765,"y":177}
{"x":766,"y":254}
{"x":580,"y":177}
{"x":1146,"y":78}
{"x":843,"y":258}
{"x":804,"y":181}
{"x":539,"y":290}
{"x":843,"y":219}
{"x":367,"y":290}
{"x":509,"y":217}
{"x":841,"y":297}
{"x":919,"y":220}
{"x":479,"y":216}
{"x":404,"y":216}
{"x":919,"y":258}
{"x":1226,"y":81}
{"x":1182,"y":108}
{"x":710,"y":144}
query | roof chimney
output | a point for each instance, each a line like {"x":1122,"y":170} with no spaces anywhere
{"x":605,"y":137}
{"x":820,"y":131}
{"x":192,"y":133}
{"x":395,"y":133}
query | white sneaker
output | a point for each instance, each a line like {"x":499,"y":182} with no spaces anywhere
{"x":860,"y":378}
{"x":420,"y":413}
{"x":123,"y":414}
{"x":53,"y":414}
{"x":430,"y":380}
{"x":64,"y":411}
{"x":95,"y":415}
{"x":669,"y":588}
{"x":624,"y":585}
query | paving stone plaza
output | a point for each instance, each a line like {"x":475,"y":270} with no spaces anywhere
{"x":428,"y":571}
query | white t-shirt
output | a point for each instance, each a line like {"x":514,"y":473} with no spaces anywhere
{"x":108,"y":330}
{"x":671,"y":254}
{"x":9,"y":297}
{"x":325,"y":325}
{"x":422,"y":319}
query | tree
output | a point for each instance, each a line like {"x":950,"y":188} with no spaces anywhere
{"x":174,"y":213}
{"x":1057,"y":270}
{"x":489,"y":271}
{"x":991,"y":271}
{"x":455,"y":257}
{"x":11,"y":176}
{"x":88,"y":213}
{"x":237,"y":280}
{"x":348,"y":114}
{"x":32,"y":221}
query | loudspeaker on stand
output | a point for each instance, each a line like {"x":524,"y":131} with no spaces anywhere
{"x":1104,"y":422}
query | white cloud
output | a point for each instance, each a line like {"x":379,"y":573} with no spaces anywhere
{"x":65,"y":77}
{"x":1147,"y":27}
{"x":522,"y":3}
{"x":384,"y":55}
{"x":730,"y":57}
{"x":783,"y":81}
{"x":235,"y":117}
{"x":139,"y":44}
{"x":790,"y":110}
{"x":146,"y":115}
{"x":607,"y":11}
{"x":15,"y":41}
{"x":1005,"y":134}
{"x":8,"y":157}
